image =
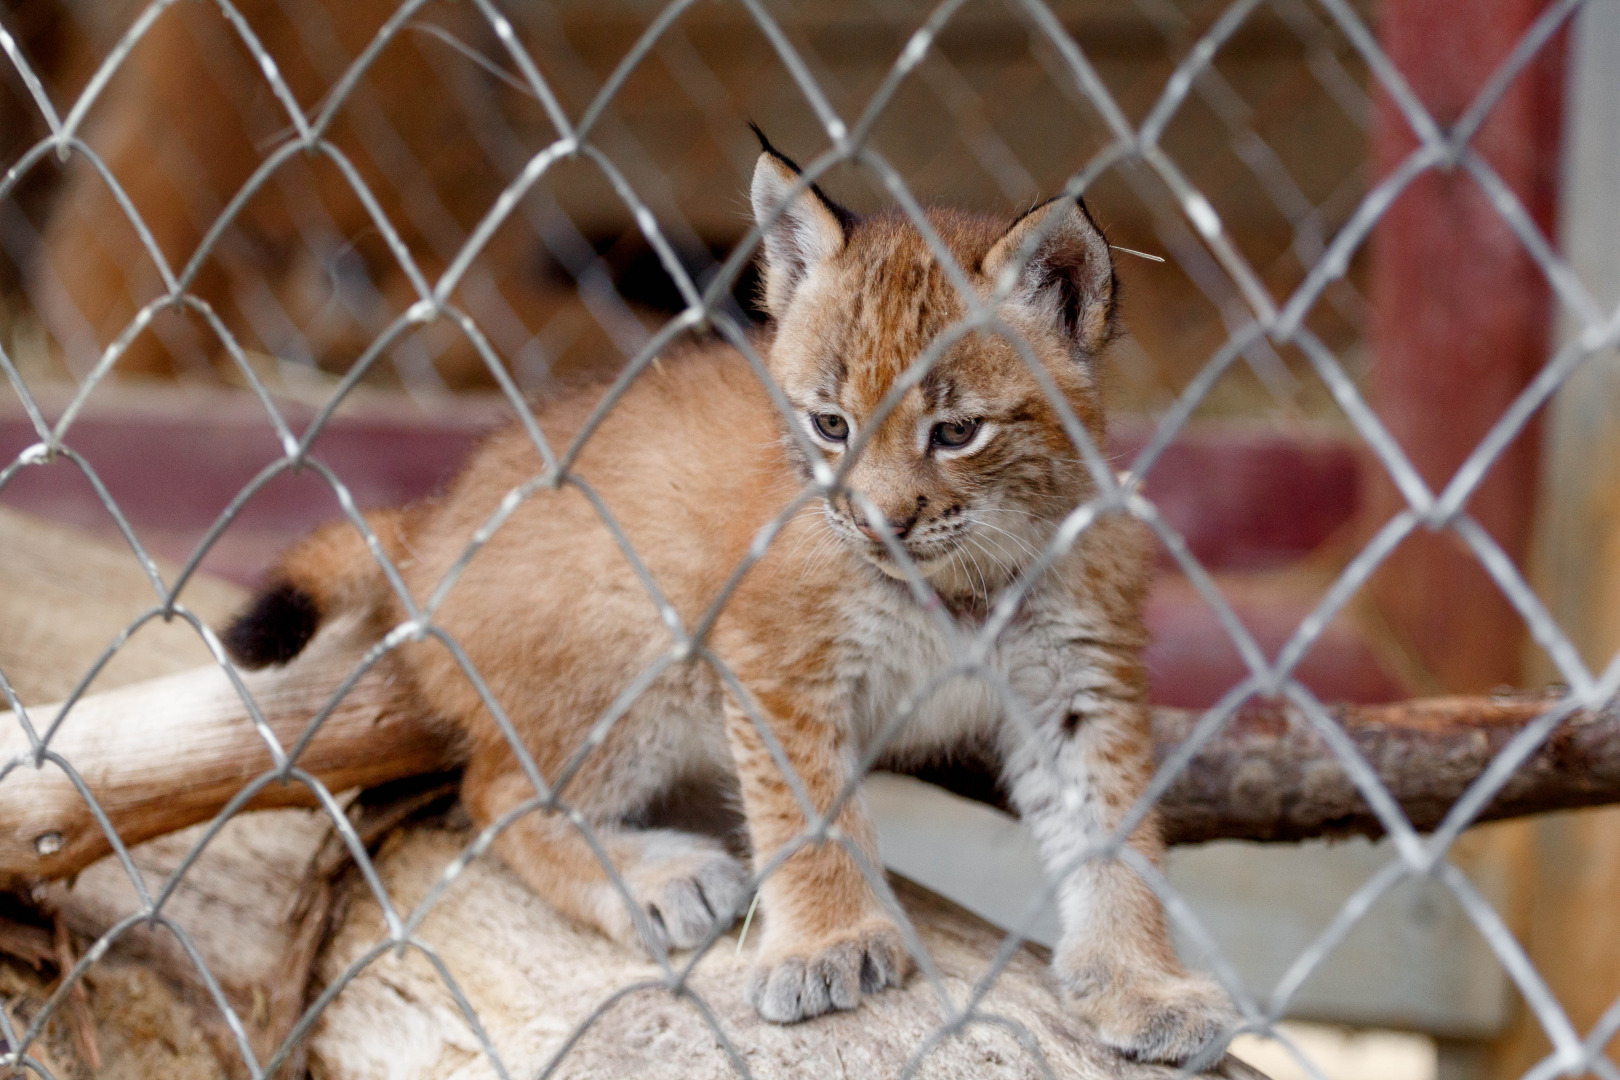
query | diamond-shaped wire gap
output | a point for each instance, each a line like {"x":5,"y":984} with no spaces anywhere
{"x":103,"y":821}
{"x":308,"y":217}
{"x":956,"y":86}
{"x":39,"y":455}
{"x":1195,"y":204}
{"x":1382,"y":69}
{"x":1360,"y":772}
{"x":170,"y":144}
{"x":1366,"y":423}
{"x":1561,"y":277}
{"x":1544,"y":630}
{"x":57,"y":319}
{"x":1454,"y":142}
{"x":326,"y":802}
{"x":564,"y":245}
{"x":1355,"y":908}
{"x":100,"y":173}
{"x":1331,"y":936}
{"x":114,"y":352}
{"x":1435,"y":150}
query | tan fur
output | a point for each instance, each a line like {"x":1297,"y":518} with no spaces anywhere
{"x":819,"y":643}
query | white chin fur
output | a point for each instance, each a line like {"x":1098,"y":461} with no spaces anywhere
{"x":925,"y":567}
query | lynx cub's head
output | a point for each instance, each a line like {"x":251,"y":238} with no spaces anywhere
{"x":971,"y":469}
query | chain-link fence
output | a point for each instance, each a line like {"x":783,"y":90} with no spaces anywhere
{"x":302,"y":200}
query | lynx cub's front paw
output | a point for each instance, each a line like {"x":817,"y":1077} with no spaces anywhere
{"x":1158,"y":1018}
{"x":683,"y":884}
{"x":796,"y":983}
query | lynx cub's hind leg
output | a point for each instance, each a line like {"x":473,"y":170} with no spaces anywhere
{"x":680,"y":882}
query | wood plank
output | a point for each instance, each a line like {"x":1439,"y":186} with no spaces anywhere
{"x":1570,"y":923}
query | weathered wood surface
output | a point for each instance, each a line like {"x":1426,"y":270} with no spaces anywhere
{"x":533,"y":980}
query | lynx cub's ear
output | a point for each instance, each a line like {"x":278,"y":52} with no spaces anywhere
{"x":1068,"y":276}
{"x":809,"y":230}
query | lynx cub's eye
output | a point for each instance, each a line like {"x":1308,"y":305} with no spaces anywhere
{"x":831,"y":426}
{"x":954,"y":433}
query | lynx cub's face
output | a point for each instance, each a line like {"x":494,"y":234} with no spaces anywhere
{"x":970,"y":468}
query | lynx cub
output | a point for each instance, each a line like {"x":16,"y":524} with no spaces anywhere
{"x":972,"y":473}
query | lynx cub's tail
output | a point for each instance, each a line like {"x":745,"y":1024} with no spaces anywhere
{"x":330,"y":572}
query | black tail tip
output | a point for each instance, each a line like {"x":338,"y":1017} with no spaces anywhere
{"x":274,"y":628}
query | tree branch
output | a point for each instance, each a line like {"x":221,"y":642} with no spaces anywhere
{"x":171,"y":752}
{"x":1267,"y":775}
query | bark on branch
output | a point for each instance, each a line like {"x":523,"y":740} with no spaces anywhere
{"x":1268,"y":775}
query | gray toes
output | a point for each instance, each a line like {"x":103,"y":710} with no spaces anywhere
{"x":684,"y":908}
{"x":777,"y":992}
{"x":879,"y":966}
{"x":797,"y":988}
{"x":1178,"y":1027}
{"x":685,"y":912}
{"x":724,"y":884}
{"x":838,"y":970}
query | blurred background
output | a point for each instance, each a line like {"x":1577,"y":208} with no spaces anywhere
{"x":296,"y":288}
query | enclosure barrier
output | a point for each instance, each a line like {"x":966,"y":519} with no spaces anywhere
{"x":1403,"y":770}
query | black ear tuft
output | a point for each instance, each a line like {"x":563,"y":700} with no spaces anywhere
{"x":274,"y":628}
{"x":846,"y":217}
{"x":769,"y":147}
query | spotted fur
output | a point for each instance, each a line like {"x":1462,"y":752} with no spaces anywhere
{"x":822,"y":643}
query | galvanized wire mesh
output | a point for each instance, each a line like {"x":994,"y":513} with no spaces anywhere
{"x":452,"y":288}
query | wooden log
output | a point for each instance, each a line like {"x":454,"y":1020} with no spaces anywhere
{"x":533,"y":979}
{"x":171,"y":752}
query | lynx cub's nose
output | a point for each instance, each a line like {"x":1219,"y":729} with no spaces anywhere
{"x":874,"y":533}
